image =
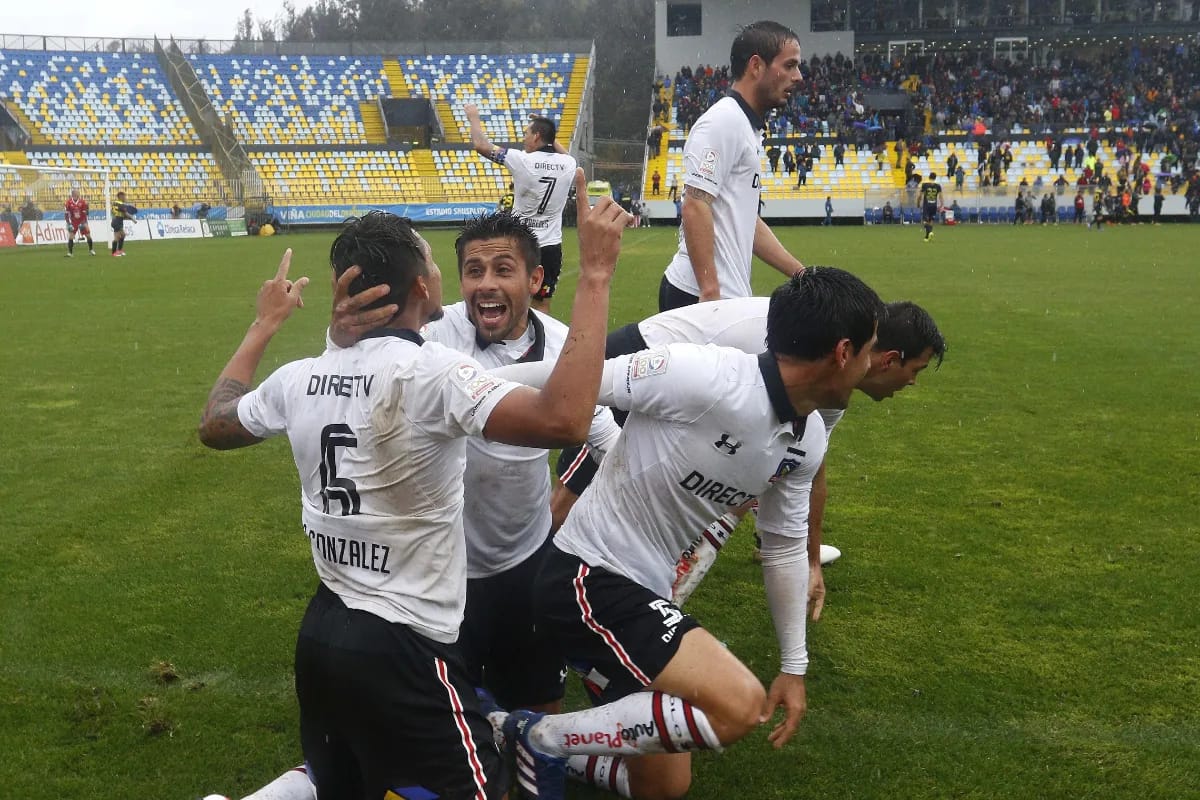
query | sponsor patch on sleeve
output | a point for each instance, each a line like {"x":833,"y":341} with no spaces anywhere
{"x":481,"y":386}
{"x":708,"y":163}
{"x":643,"y":365}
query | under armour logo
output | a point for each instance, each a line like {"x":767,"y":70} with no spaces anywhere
{"x":724,"y":443}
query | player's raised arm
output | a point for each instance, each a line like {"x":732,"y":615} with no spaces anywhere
{"x":569,"y":396}
{"x":479,"y":140}
{"x":220,"y":427}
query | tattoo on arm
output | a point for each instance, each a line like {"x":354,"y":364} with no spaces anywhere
{"x":220,"y":426}
{"x":700,"y":194}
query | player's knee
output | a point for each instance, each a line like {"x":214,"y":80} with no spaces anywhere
{"x":742,"y":703}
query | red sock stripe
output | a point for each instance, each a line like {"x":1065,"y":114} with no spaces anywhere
{"x":689,"y":714}
{"x":612,"y":773}
{"x":660,"y":720}
{"x":590,"y":769}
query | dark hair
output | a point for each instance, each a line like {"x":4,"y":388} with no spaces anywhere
{"x":545,"y":128}
{"x":387,"y":250}
{"x":818,"y":308}
{"x":908,"y":328}
{"x":933,"y":176}
{"x":763,"y":39}
{"x":500,"y":225}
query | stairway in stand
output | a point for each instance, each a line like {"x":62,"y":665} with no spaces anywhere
{"x":431,"y":181}
{"x":373,"y":122}
{"x":566,"y":126}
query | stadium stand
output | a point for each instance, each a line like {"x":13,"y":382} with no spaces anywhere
{"x":98,"y":99}
{"x":507,"y":89}
{"x":316,"y":177}
{"x":287,"y":100}
{"x":150,"y":178}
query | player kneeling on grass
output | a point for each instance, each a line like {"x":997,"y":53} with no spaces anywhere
{"x":709,"y":429}
{"x":377,"y":435}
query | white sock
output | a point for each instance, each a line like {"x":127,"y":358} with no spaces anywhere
{"x":646,"y":722}
{"x":607,"y":772}
{"x":291,"y":785}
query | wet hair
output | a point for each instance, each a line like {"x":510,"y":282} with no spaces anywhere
{"x":908,"y":328}
{"x":816,"y":309}
{"x":545,"y":128}
{"x":501,"y":225}
{"x":387,"y":250}
{"x":763,"y":39}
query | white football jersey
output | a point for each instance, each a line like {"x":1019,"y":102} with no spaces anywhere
{"x":507,"y":511}
{"x":723,"y":156}
{"x":739,"y":322}
{"x":377,"y":435}
{"x":710,"y":428}
{"x":541,"y":181}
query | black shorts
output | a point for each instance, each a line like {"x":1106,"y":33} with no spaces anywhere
{"x":929,"y":212}
{"x":384,"y":708}
{"x":500,"y":645}
{"x":551,"y":270}
{"x":118,"y":224}
{"x":617,"y":634}
{"x":671,"y":296}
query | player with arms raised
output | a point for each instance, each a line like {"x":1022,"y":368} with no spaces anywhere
{"x":542,"y":173}
{"x":76,"y":215}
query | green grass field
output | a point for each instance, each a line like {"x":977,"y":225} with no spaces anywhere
{"x":1009,"y":619}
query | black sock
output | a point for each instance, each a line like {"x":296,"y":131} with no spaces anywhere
{"x":90,"y":245}
{"x":114,"y":245}
{"x":70,"y":246}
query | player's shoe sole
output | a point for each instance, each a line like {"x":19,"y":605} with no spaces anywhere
{"x":539,"y":776}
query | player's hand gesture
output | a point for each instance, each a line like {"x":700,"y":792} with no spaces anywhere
{"x":600,"y":230}
{"x":787,"y":692}
{"x":279,"y":297}
{"x":472,"y":110}
{"x":350,"y":321}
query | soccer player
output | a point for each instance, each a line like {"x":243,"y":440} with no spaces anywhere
{"x":121,"y":211}
{"x":507,"y":489}
{"x":542,"y":172}
{"x":908,"y":341}
{"x":722,"y":159}
{"x":709,"y":429}
{"x":76,"y":215}
{"x":376,"y":432}
{"x":931,"y":200}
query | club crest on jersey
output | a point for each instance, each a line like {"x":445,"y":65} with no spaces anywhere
{"x":647,"y":364}
{"x":785,"y":466}
{"x":730,"y":447}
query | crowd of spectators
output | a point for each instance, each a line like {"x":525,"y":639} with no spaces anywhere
{"x":1149,"y":97}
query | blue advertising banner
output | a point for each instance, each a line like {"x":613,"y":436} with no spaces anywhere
{"x":417,"y":212}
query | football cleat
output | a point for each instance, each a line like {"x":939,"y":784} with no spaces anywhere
{"x":93,"y":252}
{"x":539,"y":776}
{"x":70,"y":255}
{"x":496,"y":715}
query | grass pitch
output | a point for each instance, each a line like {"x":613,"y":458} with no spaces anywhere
{"x":1009,"y":618}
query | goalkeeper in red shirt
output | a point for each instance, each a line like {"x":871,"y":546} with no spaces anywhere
{"x":77,"y":222}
